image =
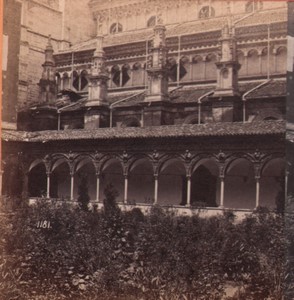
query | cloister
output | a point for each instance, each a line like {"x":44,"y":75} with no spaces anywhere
{"x":236,"y":180}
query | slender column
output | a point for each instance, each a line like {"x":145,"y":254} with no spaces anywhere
{"x":97,"y":187}
{"x":120,"y":77}
{"x":1,"y":174}
{"x":222,"y":191}
{"x":155,"y":189}
{"x":48,"y":185}
{"x":257,"y":191}
{"x":259,"y":62}
{"x":126,"y":189}
{"x":188,"y":191}
{"x":246,"y":63}
{"x":71,"y":186}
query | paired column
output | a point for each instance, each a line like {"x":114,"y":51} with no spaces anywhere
{"x":222,"y":190}
{"x":48,"y":184}
{"x":72,"y":185}
{"x":257,"y":191}
{"x":97,"y":187}
{"x":126,"y":188}
{"x":188,"y":190}
{"x":155,"y":189}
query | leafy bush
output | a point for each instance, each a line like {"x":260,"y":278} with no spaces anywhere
{"x":111,"y":254}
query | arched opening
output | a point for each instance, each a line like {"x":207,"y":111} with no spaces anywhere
{"x":85,"y":168}
{"x":251,"y":6}
{"x":115,"y":75}
{"x":60,"y":182}
{"x":272,"y":183}
{"x":126,"y":72}
{"x":37,"y":181}
{"x":65,"y":79}
{"x":58,"y":81}
{"x":198,"y":68}
{"x":264,"y":61}
{"x":184,"y":68}
{"x":204,"y":187}
{"x":131,"y":122}
{"x":240,"y":185}
{"x":115,"y":28}
{"x":270,"y":118}
{"x":172,"y":69}
{"x":241,"y":60}
{"x":281,"y":59}
{"x":12,"y":180}
{"x":138,"y":75}
{"x":253,"y":62}
{"x":210,"y":67}
{"x":75,"y":80}
{"x":141,"y":182}
{"x":151,"y":21}
{"x":84,"y":80}
{"x":112,"y":173}
{"x":172,"y":187}
{"x":206,"y":12}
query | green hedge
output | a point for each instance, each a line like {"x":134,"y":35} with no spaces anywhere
{"x":116,"y":255}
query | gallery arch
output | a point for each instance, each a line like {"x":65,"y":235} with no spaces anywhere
{"x":172,"y":183}
{"x":240,"y":184}
{"x":141,"y":171}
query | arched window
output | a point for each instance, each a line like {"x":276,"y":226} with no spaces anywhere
{"x":151,"y":22}
{"x":115,"y":28}
{"x":253,"y":5}
{"x":115,"y":74}
{"x":75,"y":80}
{"x":83,"y":79}
{"x":206,"y":12}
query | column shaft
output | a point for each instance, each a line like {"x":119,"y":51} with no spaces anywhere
{"x":155,"y":190}
{"x":222,"y":191}
{"x":257,"y":192}
{"x":188,"y":191}
{"x":72,"y":187}
{"x":48,"y":186}
{"x":97,"y":188}
{"x":126,"y":190}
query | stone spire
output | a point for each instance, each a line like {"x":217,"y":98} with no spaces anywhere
{"x":98,"y":77}
{"x":156,"y":67}
{"x":227,"y":66}
{"x":47,"y":83}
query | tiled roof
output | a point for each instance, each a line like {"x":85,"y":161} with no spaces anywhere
{"x":275,"y":88}
{"x":188,"y":28}
{"x":172,"y":131}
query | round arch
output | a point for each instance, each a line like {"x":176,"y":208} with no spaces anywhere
{"x":112,"y":173}
{"x":60,"y":179}
{"x":253,"y":62}
{"x":204,"y":183}
{"x":131,"y":122}
{"x":272,"y":183}
{"x":37,"y":179}
{"x":240,"y":184}
{"x":85,"y":169}
{"x":141,"y":181}
{"x":172,"y":187}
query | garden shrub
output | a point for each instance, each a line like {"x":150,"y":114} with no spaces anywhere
{"x":127,"y":255}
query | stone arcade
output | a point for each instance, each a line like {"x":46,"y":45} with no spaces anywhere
{"x":188,"y":114}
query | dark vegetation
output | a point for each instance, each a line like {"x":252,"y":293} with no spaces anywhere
{"x":109,"y":254}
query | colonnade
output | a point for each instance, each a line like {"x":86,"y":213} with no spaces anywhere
{"x":223,"y":162}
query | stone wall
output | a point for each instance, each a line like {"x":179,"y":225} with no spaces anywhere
{"x":11,"y":38}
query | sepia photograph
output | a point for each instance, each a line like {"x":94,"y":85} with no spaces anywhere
{"x":147,"y":150}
